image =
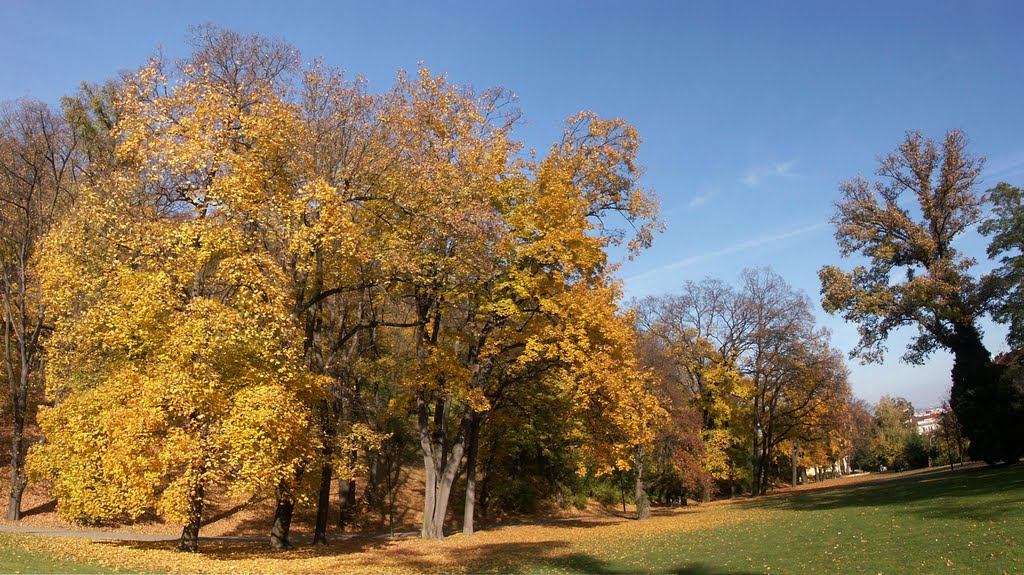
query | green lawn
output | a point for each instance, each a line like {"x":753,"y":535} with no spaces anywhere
{"x":13,"y":559}
{"x":965,"y":522}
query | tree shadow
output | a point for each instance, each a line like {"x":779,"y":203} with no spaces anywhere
{"x":48,"y":507}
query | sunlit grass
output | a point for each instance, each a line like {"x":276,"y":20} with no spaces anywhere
{"x":15,"y":559}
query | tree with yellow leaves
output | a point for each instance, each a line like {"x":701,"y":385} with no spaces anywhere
{"x":481,"y":246}
{"x":178,"y":310}
{"x":293,"y":225}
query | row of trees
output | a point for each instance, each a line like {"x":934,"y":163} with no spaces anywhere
{"x":889,"y":437}
{"x":246,"y":272}
{"x":759,"y":373}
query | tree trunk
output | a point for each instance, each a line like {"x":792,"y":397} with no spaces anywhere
{"x":189,"y":540}
{"x":796,"y":457}
{"x":282,"y":522}
{"x":440,"y":474}
{"x":438,"y":486}
{"x":643,"y":505}
{"x":19,"y":405}
{"x":485,"y":485}
{"x":18,"y":478}
{"x":347,"y":492}
{"x":474,"y":444}
{"x":323,"y":506}
{"x":985,"y":402}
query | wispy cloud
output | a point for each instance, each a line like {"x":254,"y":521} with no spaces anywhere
{"x":702,"y":198}
{"x":1004,"y":167}
{"x":757,"y":174}
{"x":721,"y":252}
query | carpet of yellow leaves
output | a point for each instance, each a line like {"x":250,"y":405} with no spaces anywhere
{"x":484,"y":551}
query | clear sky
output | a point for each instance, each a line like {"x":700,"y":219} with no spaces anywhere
{"x":751,"y":112}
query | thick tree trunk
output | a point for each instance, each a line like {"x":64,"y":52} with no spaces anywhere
{"x":282,"y":523}
{"x":989,"y":407}
{"x":485,"y":485}
{"x":189,"y":540}
{"x":429,"y":498}
{"x":440,"y":475}
{"x":323,"y":506}
{"x":347,"y":489}
{"x":643,"y":505}
{"x":474,"y":445}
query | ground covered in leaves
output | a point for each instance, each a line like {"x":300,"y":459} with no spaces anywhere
{"x":970,"y":521}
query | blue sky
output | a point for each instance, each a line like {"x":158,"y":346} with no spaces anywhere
{"x":751,"y":112}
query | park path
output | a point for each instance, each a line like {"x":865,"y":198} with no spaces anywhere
{"x":87,"y":533}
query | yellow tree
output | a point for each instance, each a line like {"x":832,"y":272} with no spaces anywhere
{"x":236,"y":139}
{"x":178,"y":308}
{"x":480,"y":243}
{"x":615,"y":410}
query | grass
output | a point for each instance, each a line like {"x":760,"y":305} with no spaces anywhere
{"x":967,"y":522}
{"x":970,"y":521}
{"x":15,"y":559}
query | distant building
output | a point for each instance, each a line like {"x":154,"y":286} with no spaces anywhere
{"x":927,"y":421}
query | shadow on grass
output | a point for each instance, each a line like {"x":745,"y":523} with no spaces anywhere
{"x":984,"y":494}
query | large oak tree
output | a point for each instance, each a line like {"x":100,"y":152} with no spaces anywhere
{"x":904,"y":225}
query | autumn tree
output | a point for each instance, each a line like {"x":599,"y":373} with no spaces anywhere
{"x":681,"y":463}
{"x":38,"y":164}
{"x":188,"y":320}
{"x":861,"y":421}
{"x":398,"y":246}
{"x":696,"y":337}
{"x":789,"y":362}
{"x":916,"y":277}
{"x":482,"y":245}
{"x":754,"y":364}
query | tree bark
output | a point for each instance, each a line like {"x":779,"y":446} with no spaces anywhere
{"x":189,"y":541}
{"x":18,"y":478}
{"x":324,"y":502}
{"x":796,"y":457}
{"x":282,"y":522}
{"x":643,"y":505}
{"x":347,"y":489}
{"x":474,"y":444}
{"x":323,"y":506}
{"x":441,"y":466}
